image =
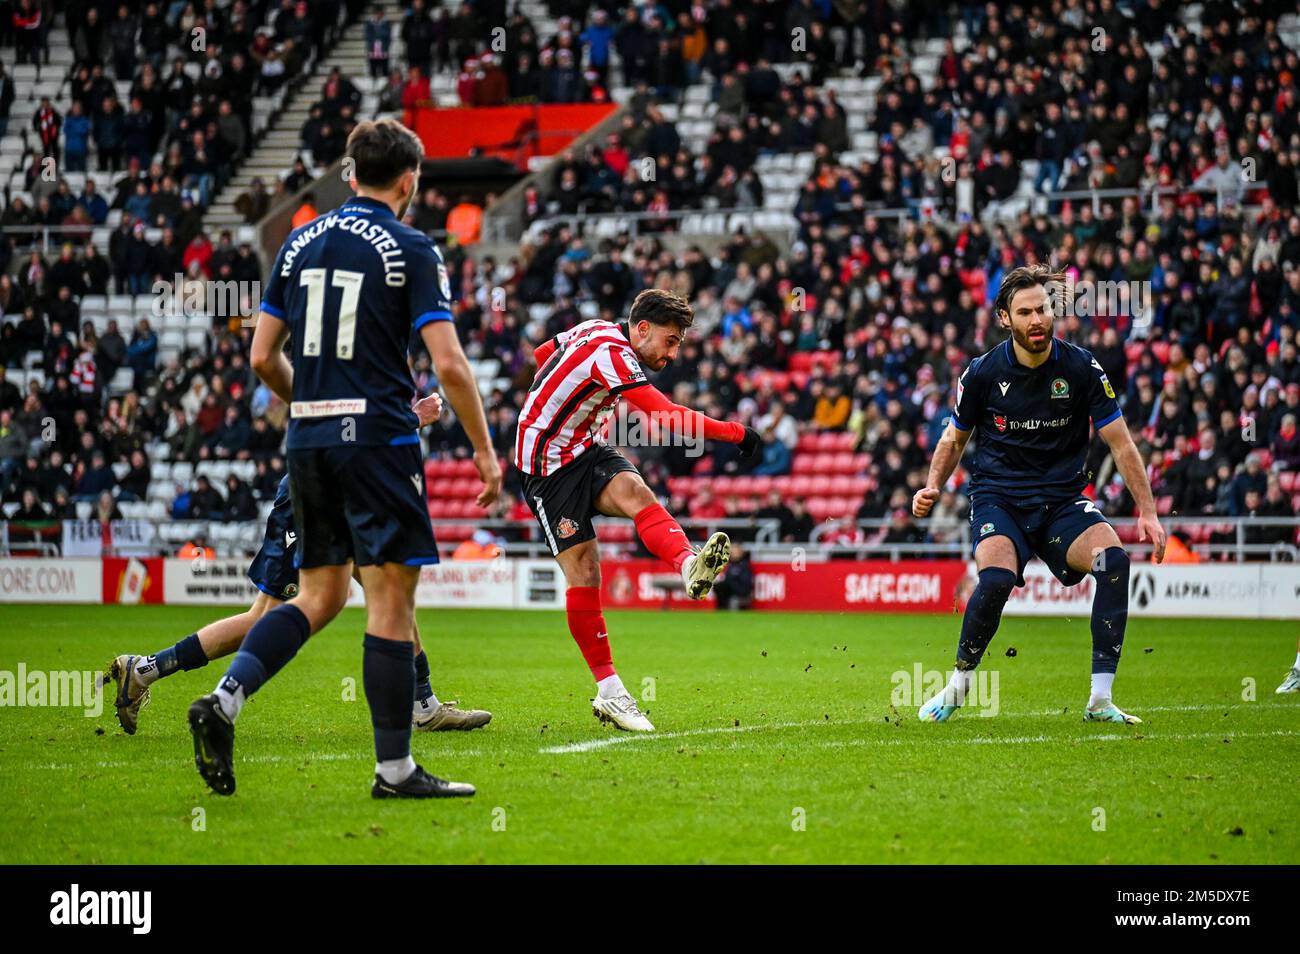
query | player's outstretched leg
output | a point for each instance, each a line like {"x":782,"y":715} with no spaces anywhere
{"x":665,"y":538}
{"x":270,"y":644}
{"x":134,"y":674}
{"x":1109,"y":620}
{"x":430,"y":715}
{"x":980,"y":622}
{"x":1292,"y":681}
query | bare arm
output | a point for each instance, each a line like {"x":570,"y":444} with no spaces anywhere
{"x":457,"y":380}
{"x":1128,"y":461}
{"x":946,"y":455}
{"x":267,"y":356}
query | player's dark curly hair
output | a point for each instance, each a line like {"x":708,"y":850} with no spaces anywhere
{"x":660,"y":307}
{"x":1018,"y":279}
{"x":382,"y":150}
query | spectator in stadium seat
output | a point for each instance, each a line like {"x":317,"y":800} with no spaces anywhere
{"x":46,"y":123}
{"x":108,"y":127}
{"x":379,"y":39}
{"x":205,"y":502}
{"x":96,"y":478}
{"x":240,"y":505}
{"x":232,"y":436}
{"x":11,"y":399}
{"x":734,"y":590}
{"x":480,"y":546}
{"x":134,"y":485}
{"x":306,"y":212}
{"x":253,"y":203}
{"x":832,"y":409}
{"x":705,"y":506}
{"x":13,"y":442}
{"x":106,"y":508}
{"x":29,"y":31}
{"x":465,"y":221}
{"x":142,"y":354}
{"x":31,"y":511}
{"x":1286,"y":445}
{"x":6,"y":100}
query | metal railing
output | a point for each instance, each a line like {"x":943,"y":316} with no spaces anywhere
{"x":582,"y":222}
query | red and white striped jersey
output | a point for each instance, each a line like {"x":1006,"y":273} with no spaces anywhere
{"x":572,"y":394}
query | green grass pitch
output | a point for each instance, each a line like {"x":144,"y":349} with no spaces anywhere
{"x":777,"y":743}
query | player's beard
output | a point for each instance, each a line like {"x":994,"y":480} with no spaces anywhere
{"x":1033,"y":347}
{"x":408,"y":201}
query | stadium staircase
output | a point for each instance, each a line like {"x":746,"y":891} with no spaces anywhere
{"x":273,"y":155}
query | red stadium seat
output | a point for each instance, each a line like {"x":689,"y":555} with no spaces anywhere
{"x":453,"y":532}
{"x":615,"y":532}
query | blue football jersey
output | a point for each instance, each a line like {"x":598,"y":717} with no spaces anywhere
{"x":352,"y":285}
{"x":1033,"y":422}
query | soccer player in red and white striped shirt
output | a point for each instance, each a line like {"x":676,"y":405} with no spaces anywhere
{"x":569,"y":475}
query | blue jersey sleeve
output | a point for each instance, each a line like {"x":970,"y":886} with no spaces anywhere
{"x":273,"y":292}
{"x":969,"y":406}
{"x":430,"y":285}
{"x":1103,"y":407}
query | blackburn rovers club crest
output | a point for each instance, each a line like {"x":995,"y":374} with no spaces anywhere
{"x":986,"y":529}
{"x":1060,"y":388}
{"x":1000,"y":421}
{"x":566,"y":528}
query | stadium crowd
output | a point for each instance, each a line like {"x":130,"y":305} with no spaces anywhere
{"x":861,"y":328}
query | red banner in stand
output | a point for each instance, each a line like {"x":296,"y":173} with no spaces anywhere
{"x":515,"y":133}
{"x":859,"y":586}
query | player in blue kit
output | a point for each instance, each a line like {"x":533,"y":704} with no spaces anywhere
{"x":273,"y":573}
{"x":346,"y":292}
{"x":1032,"y":399}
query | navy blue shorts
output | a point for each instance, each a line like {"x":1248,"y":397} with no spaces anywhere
{"x":272,"y":570}
{"x":360,"y":503}
{"x":1042,"y":530}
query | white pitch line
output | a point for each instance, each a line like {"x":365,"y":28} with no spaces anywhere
{"x":592,"y":745}
{"x":1032,"y":739}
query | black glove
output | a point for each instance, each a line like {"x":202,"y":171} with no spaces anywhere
{"x":750,"y":443}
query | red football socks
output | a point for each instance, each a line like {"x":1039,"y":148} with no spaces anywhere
{"x":587,"y":625}
{"x":663,"y":536}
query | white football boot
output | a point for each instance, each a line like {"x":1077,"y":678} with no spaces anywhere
{"x":701,"y":569}
{"x":1291,"y":683}
{"x":1109,"y":712}
{"x":622,"y":711}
